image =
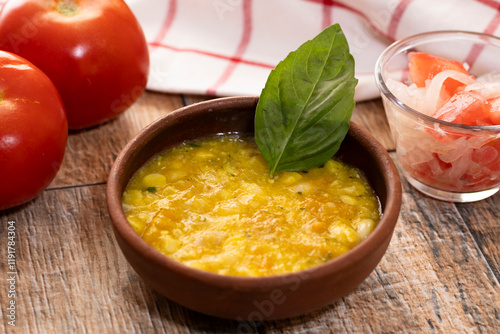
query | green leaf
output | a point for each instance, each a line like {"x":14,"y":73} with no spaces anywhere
{"x":304,"y":109}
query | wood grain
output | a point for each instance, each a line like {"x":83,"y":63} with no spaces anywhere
{"x":440,"y":274}
{"x":91,"y":152}
{"x":370,"y":115}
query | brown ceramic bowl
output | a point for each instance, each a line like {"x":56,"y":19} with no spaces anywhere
{"x":249,"y":298}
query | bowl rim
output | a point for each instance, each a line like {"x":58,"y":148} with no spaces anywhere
{"x":397,"y":47}
{"x":382,"y":231}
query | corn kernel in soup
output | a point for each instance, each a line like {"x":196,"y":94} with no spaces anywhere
{"x":211,"y":205}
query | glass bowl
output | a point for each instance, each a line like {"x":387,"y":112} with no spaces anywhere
{"x":447,"y":161}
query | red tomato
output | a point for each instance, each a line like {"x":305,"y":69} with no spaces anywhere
{"x":33,"y":130}
{"x":465,"y":108}
{"x":93,"y":50}
{"x":423,"y":66}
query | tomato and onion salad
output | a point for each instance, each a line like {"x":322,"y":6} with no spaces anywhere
{"x":451,"y":158}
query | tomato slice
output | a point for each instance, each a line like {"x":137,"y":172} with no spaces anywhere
{"x":452,"y":86}
{"x":423,"y":66}
{"x":495,"y":110}
{"x":465,"y":108}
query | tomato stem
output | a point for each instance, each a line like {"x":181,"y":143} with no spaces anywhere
{"x":67,"y":7}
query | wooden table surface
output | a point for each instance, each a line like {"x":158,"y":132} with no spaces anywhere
{"x":440,"y":274}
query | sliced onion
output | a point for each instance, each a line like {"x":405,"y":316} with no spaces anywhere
{"x":412,"y":96}
{"x":489,"y":77}
{"x":488,"y":90}
{"x":435,"y":86}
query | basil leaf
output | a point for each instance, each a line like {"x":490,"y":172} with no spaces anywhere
{"x":304,"y":109}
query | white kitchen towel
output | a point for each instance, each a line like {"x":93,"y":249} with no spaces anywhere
{"x":228,"y":47}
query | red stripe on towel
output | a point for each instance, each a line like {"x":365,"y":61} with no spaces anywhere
{"x":354,"y":11}
{"x":327,"y":14}
{"x":491,"y":3}
{"x":396,"y":18}
{"x":245,"y":40}
{"x":213,"y":55}
{"x":167,"y":23}
{"x":490,"y":29}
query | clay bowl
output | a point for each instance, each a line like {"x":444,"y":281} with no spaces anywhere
{"x":249,"y":298}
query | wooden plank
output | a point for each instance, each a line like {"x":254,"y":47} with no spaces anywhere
{"x":191,"y":99}
{"x":370,"y":115}
{"x":91,"y":152}
{"x":72,"y":278}
{"x":483,"y":222}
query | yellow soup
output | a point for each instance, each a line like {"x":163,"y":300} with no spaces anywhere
{"x":211,"y":205}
